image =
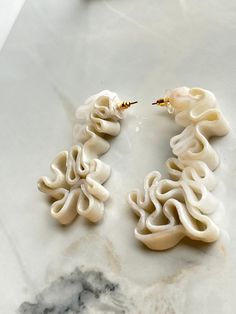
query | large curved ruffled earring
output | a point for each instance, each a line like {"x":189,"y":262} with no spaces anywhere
{"x":170,"y":209}
{"x":77,"y":186}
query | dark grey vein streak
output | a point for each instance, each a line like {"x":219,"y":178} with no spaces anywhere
{"x":78,"y":292}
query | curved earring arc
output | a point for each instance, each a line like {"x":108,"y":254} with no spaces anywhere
{"x":183,"y":205}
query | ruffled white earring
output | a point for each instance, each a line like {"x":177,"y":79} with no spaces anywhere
{"x":170,"y":209}
{"x":77,"y":186}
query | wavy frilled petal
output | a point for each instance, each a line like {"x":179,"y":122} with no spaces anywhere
{"x":68,"y":168}
{"x":99,"y":173}
{"x":64,"y":209}
{"x":172,"y":214}
{"x":89,"y":206}
{"x":77,"y":167}
{"x":197,"y":110}
{"x":103,"y":118}
{"x":198,"y":171}
{"x":58,"y":167}
{"x":162,"y":240}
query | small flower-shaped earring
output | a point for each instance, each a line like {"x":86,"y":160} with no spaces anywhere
{"x":77,"y":187}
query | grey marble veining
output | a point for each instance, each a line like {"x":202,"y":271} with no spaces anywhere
{"x":78,"y":292}
{"x":59,"y":53}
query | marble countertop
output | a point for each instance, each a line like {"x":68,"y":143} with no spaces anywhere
{"x":9,"y":11}
{"x":59,"y":53}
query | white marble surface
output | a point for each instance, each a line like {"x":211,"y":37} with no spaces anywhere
{"x":9,"y":11}
{"x":60,"y":52}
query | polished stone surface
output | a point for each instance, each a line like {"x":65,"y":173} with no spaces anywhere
{"x":9,"y":11}
{"x":60,"y":52}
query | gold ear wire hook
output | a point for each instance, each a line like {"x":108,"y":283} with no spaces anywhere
{"x":163,"y":102}
{"x":126,"y":104}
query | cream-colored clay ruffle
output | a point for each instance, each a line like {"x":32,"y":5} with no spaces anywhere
{"x":77,"y":186}
{"x":170,"y":209}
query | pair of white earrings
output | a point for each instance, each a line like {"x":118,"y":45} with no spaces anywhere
{"x":169,"y":209}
